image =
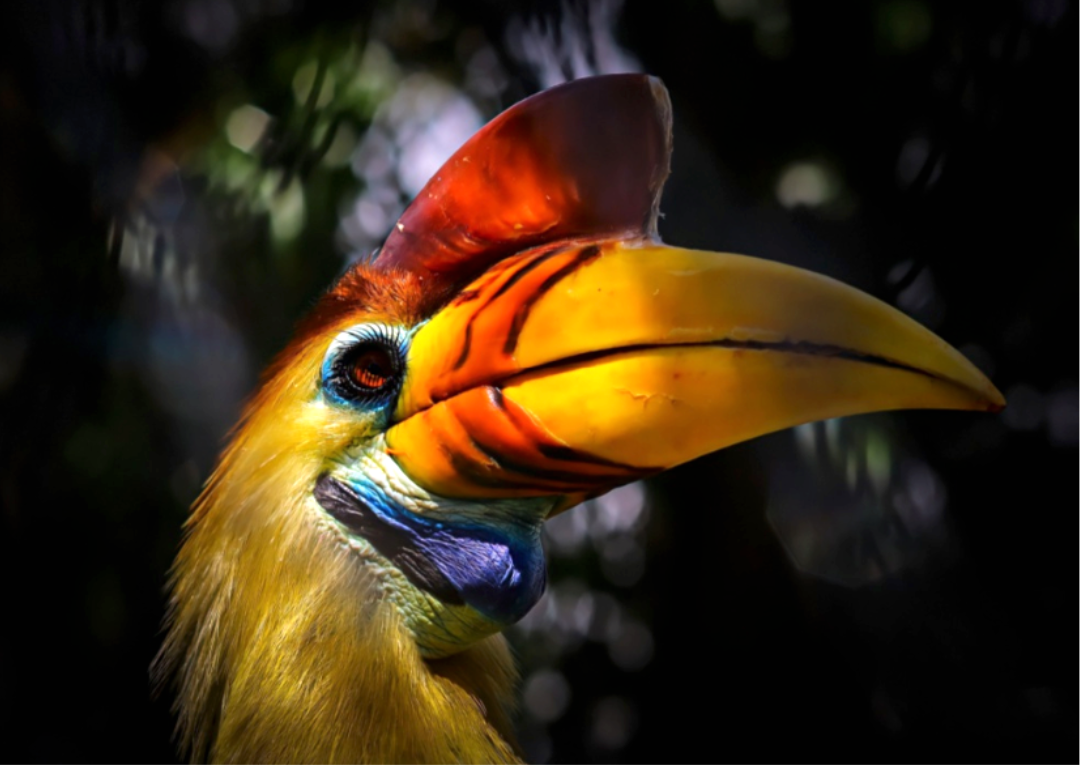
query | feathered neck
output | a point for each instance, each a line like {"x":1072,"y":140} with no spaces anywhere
{"x":280,"y":643}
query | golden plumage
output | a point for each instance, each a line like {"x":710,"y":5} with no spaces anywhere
{"x":283,"y":649}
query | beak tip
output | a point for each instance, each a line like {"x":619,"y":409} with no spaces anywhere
{"x":995,"y":400}
{"x":990,"y":399}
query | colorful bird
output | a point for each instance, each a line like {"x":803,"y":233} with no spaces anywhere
{"x":522,"y":342}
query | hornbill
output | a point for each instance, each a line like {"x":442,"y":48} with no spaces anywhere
{"x":522,"y":342}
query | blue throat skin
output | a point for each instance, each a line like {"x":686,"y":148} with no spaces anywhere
{"x":499,"y":571}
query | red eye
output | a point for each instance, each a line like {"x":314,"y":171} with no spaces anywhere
{"x":371,"y":368}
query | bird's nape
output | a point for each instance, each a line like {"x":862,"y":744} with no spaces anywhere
{"x":522,"y":342}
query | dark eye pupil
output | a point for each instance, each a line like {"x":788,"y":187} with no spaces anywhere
{"x":372,"y":368}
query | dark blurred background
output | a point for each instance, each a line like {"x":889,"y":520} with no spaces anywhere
{"x":180,"y":179}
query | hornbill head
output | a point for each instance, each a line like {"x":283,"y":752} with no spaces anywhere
{"x":522,"y":342}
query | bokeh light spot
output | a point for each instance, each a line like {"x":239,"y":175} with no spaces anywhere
{"x":1027,"y":408}
{"x":304,"y":81}
{"x":246,"y":126}
{"x":632,"y":649}
{"x":287,"y":212}
{"x":614,"y":721}
{"x":547,"y":696}
{"x":1063,"y":417}
{"x":806,"y":184}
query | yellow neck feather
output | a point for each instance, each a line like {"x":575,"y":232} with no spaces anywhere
{"x":280,"y":640}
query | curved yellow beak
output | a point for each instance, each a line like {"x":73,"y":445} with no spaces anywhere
{"x":571,"y":370}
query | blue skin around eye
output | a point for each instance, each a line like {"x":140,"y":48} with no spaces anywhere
{"x":498,"y":570}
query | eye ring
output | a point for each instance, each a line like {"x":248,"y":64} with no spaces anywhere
{"x":364,"y":366}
